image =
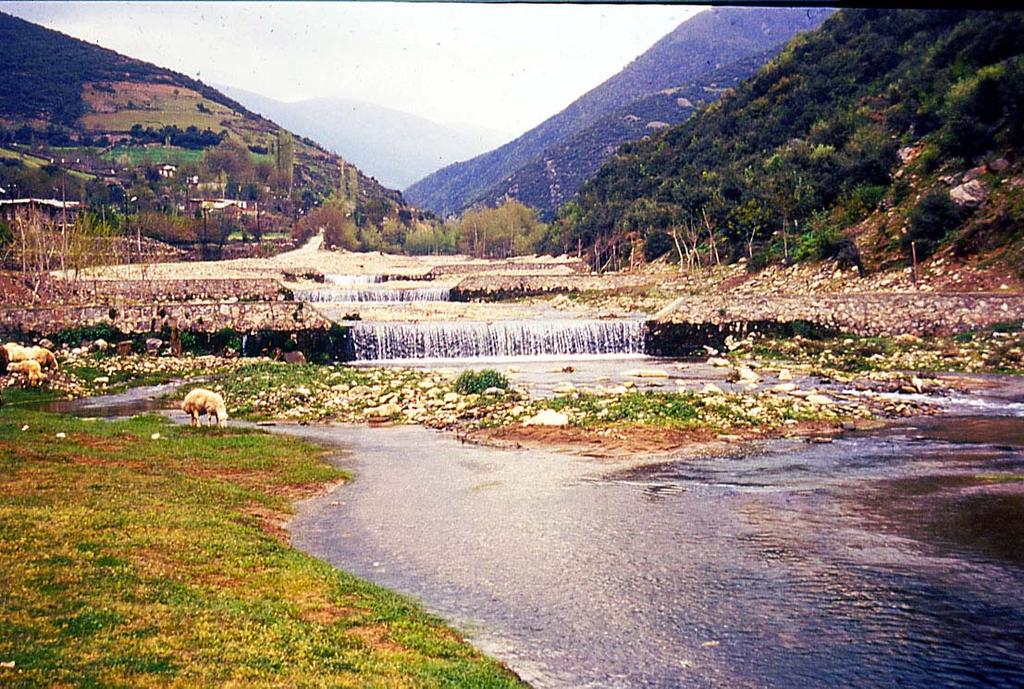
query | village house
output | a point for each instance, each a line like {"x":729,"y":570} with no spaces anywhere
{"x":39,"y":210}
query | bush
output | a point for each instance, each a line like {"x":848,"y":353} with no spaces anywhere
{"x":476,"y":382}
{"x":933,"y":218}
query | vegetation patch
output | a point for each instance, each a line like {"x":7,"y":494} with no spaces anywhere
{"x":142,"y":553}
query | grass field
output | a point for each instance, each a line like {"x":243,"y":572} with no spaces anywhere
{"x":35,"y":161}
{"x":153,"y":155}
{"x":139,"y":553}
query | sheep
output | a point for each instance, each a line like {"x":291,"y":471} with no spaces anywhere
{"x":31,"y":369}
{"x":202,"y":401}
{"x":42,"y":355}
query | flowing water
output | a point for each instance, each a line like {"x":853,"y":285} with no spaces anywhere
{"x":507,"y":338}
{"x":893,"y":559}
{"x":373,"y":295}
{"x":885,"y":559}
{"x":349,"y":280}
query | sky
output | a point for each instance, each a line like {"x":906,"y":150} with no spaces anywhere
{"x":501,"y":67}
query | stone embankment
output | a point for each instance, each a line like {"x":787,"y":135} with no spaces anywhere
{"x":103,"y":292}
{"x":878,"y":314}
{"x":492,"y":288}
{"x":545,"y":267}
{"x":148,"y":318}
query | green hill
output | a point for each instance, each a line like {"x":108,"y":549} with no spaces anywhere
{"x":115,"y":118}
{"x":858,"y":138}
{"x":697,"y":47}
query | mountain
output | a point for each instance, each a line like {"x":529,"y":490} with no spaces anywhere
{"x":394,"y":146}
{"x":553,"y":177}
{"x":880,"y":138}
{"x":698,"y":46}
{"x":63,"y":97}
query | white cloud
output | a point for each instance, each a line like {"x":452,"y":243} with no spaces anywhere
{"x":505,"y":67}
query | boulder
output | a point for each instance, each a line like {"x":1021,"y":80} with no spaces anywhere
{"x":785,"y":374}
{"x":746,"y":375}
{"x":819,"y":400}
{"x":717,"y":361}
{"x":975,"y":173}
{"x":999,"y":165}
{"x":547,"y":417}
{"x":969,"y":194}
{"x":711,"y":389}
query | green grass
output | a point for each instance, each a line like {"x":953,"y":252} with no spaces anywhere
{"x":129,"y":561}
{"x":141,"y":155}
{"x":33,"y":161}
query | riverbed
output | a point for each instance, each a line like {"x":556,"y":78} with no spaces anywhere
{"x":887,"y":559}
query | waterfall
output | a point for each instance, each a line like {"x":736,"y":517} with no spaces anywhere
{"x":374,"y":295}
{"x":348,"y":280}
{"x":373,"y":341}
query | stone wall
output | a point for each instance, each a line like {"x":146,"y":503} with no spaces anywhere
{"x":916,"y":313}
{"x":96,"y":292}
{"x":143,"y":318}
{"x":497,"y":287}
{"x":575,"y":265}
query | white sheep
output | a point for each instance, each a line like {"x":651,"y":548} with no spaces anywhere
{"x":202,"y":401}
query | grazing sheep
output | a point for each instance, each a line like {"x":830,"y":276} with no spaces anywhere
{"x":44,"y":357}
{"x":15,"y":352}
{"x":202,"y":401}
{"x":30,"y":367}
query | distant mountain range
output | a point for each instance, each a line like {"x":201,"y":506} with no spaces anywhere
{"x":546,"y":165}
{"x":394,"y":146}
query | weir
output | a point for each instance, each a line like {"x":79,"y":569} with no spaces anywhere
{"x":449,"y":340}
{"x":348,"y":280}
{"x":374,"y":295}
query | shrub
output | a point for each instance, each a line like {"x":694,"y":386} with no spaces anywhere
{"x":476,"y":382}
{"x":930,"y":221}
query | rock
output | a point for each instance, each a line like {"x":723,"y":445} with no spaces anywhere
{"x":101,"y":380}
{"x":101,"y":345}
{"x":717,"y":361}
{"x":975,"y":173}
{"x":450,"y":397}
{"x":969,"y":194}
{"x":785,"y":374}
{"x":547,"y":417}
{"x":426,"y":384}
{"x":819,"y":400}
{"x":564,"y":388}
{"x":124,"y":348}
{"x":645,"y":373}
{"x":294,"y":357}
{"x":729,"y":438}
{"x":746,"y":375}
{"x":711,"y":389}
{"x":303,"y":391}
{"x":497,"y":392}
{"x":153,"y":345}
{"x":918,"y":384}
{"x":784,"y":387}
{"x":999,"y":165}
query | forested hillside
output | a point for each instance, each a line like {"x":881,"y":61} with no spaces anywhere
{"x":700,"y":45}
{"x":115,"y":123}
{"x":883,"y":132}
{"x":555,"y":176}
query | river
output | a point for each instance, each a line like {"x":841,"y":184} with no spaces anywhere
{"x":893,"y":558}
